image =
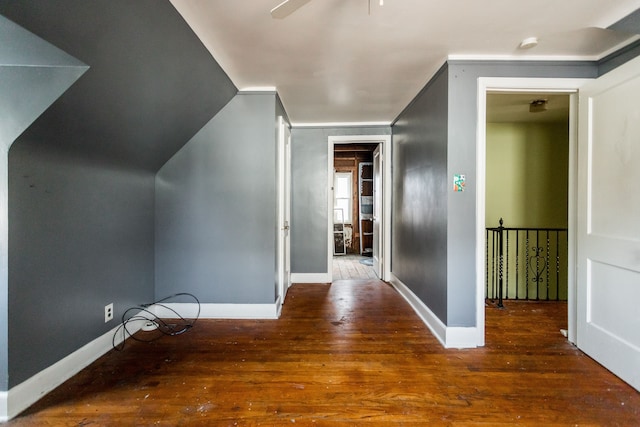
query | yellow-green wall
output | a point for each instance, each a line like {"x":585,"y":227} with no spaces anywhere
{"x":527,"y":186}
{"x":527,"y":174}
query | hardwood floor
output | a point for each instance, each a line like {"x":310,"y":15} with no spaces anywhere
{"x":350,"y":353}
{"x":351,"y":267}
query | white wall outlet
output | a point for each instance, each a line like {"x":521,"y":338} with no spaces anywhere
{"x":108,"y":312}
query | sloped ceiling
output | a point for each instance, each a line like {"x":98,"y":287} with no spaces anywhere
{"x":334,"y":61}
{"x":150,"y":87}
{"x":33,"y":74}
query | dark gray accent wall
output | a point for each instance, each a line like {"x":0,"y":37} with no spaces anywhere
{"x":33,"y":73}
{"x":216,"y":208}
{"x":309,"y":166}
{"x":82,"y":176}
{"x":80,"y":237}
{"x":419,"y":218}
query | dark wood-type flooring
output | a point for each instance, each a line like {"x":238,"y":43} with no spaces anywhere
{"x":350,"y":353}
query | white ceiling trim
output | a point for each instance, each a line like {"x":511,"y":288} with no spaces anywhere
{"x":258,"y":89}
{"x":340,"y":124}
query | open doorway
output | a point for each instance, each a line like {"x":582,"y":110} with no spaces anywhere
{"x":525,"y":85}
{"x":526,"y":200}
{"x":359,"y":230}
{"x":353,"y":211}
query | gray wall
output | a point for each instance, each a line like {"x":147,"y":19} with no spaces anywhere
{"x":81,"y":177}
{"x":81,"y":236}
{"x":631,"y":25}
{"x":461,"y":226}
{"x":309,"y":164}
{"x":463,"y":81}
{"x":33,"y":73}
{"x":433,"y":236}
{"x":420,"y":184}
{"x":216,"y":208}
{"x":418,"y":241}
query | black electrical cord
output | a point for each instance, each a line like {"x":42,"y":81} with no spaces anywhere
{"x":145,"y":314}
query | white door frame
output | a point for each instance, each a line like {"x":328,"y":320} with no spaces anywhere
{"x":385,"y":250}
{"x":507,"y":84}
{"x":283,"y":212}
{"x":378,"y":241}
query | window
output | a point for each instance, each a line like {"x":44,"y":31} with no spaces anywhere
{"x":342,"y":196}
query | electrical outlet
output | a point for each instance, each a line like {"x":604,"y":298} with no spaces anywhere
{"x":108,"y":312}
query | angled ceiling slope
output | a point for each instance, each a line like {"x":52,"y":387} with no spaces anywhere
{"x":151,"y":87}
{"x":33,"y":74}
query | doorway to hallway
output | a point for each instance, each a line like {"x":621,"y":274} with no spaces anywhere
{"x":527,"y":183}
{"x":524,"y":85}
{"x":380,"y":235}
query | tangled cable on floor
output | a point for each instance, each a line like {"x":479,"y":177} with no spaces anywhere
{"x":144,"y":313}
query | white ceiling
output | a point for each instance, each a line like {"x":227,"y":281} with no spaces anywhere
{"x":333,"y":62}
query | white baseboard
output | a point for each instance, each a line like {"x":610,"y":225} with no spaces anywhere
{"x":311,"y":278}
{"x":4,"y":411}
{"x":219,"y":311}
{"x":449,"y":336}
{"x":30,"y":391}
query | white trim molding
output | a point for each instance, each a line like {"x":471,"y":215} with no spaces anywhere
{"x":311,"y":278}
{"x":339,"y":124}
{"x":218,"y":311}
{"x":258,"y":89}
{"x":449,"y":336}
{"x":4,"y":411}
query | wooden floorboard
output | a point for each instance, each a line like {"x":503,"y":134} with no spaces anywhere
{"x":350,"y":353}
{"x":351,"y":266}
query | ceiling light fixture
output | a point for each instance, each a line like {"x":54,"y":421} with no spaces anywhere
{"x":538,"y":106}
{"x":528,"y":43}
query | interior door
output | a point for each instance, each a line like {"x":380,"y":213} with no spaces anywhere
{"x":377,"y":209}
{"x":608,"y":235}
{"x":284,"y":210}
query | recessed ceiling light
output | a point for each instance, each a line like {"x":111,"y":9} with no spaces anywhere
{"x":528,"y":43}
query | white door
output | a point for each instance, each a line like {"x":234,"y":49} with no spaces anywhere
{"x":284,"y":210}
{"x":377,"y":209}
{"x":608,"y":254}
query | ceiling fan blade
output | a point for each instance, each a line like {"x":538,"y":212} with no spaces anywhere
{"x":287,"y":7}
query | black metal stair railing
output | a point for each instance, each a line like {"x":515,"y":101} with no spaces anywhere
{"x":526,"y":263}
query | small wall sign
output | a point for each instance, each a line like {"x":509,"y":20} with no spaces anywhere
{"x":458,"y":183}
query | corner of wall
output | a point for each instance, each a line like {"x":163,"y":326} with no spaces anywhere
{"x":449,"y":337}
